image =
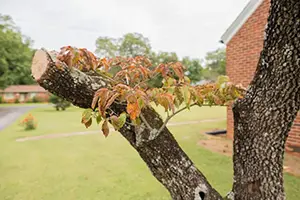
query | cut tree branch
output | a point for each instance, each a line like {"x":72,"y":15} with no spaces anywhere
{"x":163,"y":156}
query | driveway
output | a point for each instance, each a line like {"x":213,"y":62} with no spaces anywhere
{"x":9,"y":114}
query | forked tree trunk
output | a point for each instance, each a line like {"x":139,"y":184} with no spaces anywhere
{"x":264,"y":117}
{"x":164,"y":157}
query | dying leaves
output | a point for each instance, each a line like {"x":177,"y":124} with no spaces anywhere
{"x":105,"y":128}
{"x":118,"y":122}
{"x":129,"y":87}
{"x":79,"y":58}
{"x":87,"y":117}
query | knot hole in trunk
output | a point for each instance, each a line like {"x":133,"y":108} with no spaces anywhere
{"x":202,"y":195}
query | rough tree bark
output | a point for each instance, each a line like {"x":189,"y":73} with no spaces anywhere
{"x":162,"y":154}
{"x":263,"y":118}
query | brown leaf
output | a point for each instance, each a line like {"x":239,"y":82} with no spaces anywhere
{"x":105,"y":128}
{"x":111,"y":99}
{"x":178,"y":69}
{"x":94,"y":102}
{"x":103,"y":96}
{"x":88,"y":123}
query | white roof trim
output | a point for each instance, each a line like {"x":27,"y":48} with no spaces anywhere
{"x":240,"y":20}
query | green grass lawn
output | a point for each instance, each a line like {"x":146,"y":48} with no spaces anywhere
{"x":93,"y":167}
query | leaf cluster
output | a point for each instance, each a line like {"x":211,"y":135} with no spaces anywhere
{"x":129,"y":86}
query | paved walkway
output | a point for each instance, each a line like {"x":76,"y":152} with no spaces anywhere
{"x":9,"y":114}
{"x":60,"y":135}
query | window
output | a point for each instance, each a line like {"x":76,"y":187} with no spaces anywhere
{"x":31,"y":95}
{"x":9,"y":95}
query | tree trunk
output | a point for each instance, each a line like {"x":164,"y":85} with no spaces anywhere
{"x":264,"y":117}
{"x":162,"y":154}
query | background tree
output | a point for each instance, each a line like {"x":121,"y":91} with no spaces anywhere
{"x":215,"y":64}
{"x":130,"y":45}
{"x":194,"y":69}
{"x":133,"y":44}
{"x":15,"y":54}
{"x":107,"y":47}
{"x":163,"y":57}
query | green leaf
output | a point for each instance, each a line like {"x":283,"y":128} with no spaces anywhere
{"x":186,"y":95}
{"x":86,"y":115}
{"x":171,"y":89}
{"x":118,"y":122}
{"x":221,"y":82}
{"x":137,"y":121}
{"x":177,"y":103}
{"x":170,"y":81}
{"x":178,"y":96}
{"x":187,"y":80}
{"x":98,"y":118}
{"x":122,"y":119}
{"x":141,"y":103}
{"x":114,"y":122}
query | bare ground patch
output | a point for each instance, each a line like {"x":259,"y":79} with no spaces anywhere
{"x":223,"y":145}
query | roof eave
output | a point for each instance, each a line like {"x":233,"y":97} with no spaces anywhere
{"x":240,"y":20}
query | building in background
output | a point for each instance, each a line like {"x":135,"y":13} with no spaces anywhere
{"x":24,"y":93}
{"x":244,"y":42}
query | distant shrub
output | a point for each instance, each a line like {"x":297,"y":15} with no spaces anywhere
{"x":36,"y":100}
{"x":29,"y":122}
{"x":59,"y":103}
{"x":17,"y":100}
{"x":1,"y":100}
{"x":29,"y":101}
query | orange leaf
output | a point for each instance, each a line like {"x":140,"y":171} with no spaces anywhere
{"x":178,"y":69}
{"x":144,"y":71}
{"x":131,"y":98}
{"x":105,"y":64}
{"x":122,"y":86}
{"x":163,"y":69}
{"x":133,"y":110}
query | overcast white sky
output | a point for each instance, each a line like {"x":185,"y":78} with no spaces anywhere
{"x":189,"y":27}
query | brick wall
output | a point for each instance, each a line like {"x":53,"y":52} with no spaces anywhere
{"x":242,"y":54}
{"x":43,"y":96}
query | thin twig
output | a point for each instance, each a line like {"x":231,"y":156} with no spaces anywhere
{"x":150,"y":78}
{"x":112,"y":111}
{"x":170,"y":117}
{"x":130,"y":124}
{"x":145,"y":121}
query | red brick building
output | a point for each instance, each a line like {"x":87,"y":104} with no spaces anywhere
{"x":24,"y":93}
{"x":244,"y":42}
